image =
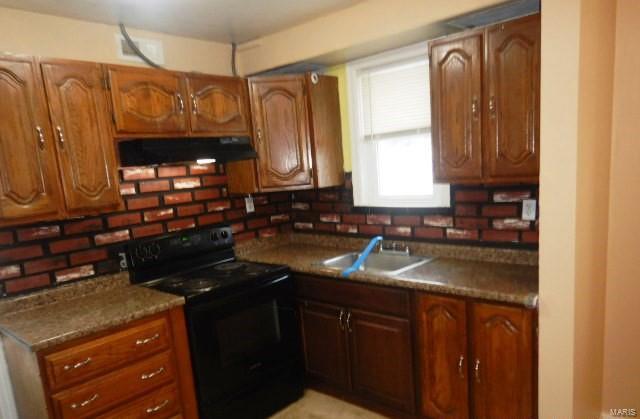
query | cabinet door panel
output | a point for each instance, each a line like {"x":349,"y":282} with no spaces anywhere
{"x":282,"y":132}
{"x":324,"y":343}
{"x":513,"y":107}
{"x":442,"y":342}
{"x":218,"y":105}
{"x":29,"y":188}
{"x":79,"y":114}
{"x":456,"y":88}
{"x":503,"y":361}
{"x":148,"y":101}
{"x":381,"y":358}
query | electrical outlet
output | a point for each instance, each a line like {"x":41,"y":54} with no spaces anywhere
{"x":529,"y":209}
{"x":248,"y":203}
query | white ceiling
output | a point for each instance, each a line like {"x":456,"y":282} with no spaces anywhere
{"x":214,"y":20}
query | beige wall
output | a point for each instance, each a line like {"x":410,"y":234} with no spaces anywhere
{"x":50,"y":36}
{"x":577,"y":74}
{"x":365,"y":28}
{"x":622,"y":331}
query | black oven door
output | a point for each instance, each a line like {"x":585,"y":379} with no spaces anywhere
{"x":243,"y":341}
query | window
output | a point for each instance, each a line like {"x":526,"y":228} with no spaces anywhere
{"x":391,"y":131}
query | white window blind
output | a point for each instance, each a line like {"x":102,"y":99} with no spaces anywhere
{"x":391,"y":124}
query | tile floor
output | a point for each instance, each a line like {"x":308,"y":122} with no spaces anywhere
{"x":316,"y":405}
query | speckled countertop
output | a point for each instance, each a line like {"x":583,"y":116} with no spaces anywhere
{"x":51,"y":317}
{"x":468,"y":276}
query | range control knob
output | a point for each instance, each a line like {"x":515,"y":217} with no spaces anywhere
{"x":224,"y":234}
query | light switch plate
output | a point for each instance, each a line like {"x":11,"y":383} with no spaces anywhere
{"x":248,"y":203}
{"x":529,"y":209}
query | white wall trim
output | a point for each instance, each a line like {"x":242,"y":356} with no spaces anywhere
{"x":7,"y":402}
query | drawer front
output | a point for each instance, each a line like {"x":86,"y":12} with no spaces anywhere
{"x":162,"y":403}
{"x":104,"y":392}
{"x":79,"y":363}
{"x":349,"y":294}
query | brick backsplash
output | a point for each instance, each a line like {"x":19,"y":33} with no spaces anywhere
{"x":158,"y":200}
{"x":478,"y":215}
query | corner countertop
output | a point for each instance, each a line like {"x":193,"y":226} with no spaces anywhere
{"x":55,"y":316}
{"x":492,"y":281}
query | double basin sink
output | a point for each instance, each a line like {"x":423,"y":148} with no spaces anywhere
{"x":384,"y":263}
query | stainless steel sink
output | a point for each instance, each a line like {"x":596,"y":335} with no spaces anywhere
{"x":382,"y":263}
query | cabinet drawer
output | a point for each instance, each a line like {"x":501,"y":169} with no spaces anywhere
{"x":349,"y":294}
{"x":101,"y":355}
{"x":162,"y":403}
{"x":99,"y":394}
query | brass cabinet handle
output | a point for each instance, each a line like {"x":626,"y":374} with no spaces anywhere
{"x":474,"y":108}
{"x":147,"y":340}
{"x":152,"y":374}
{"x":77,"y":365}
{"x":194,"y":104}
{"x":476,"y":370}
{"x":86,"y":402}
{"x":460,"y":365}
{"x":341,"y":319}
{"x":180,"y":103}
{"x":158,"y":407}
{"x":40,"y":137}
{"x":492,"y":107}
{"x":259,"y":131}
{"x":349,"y":322}
{"x":60,"y":135}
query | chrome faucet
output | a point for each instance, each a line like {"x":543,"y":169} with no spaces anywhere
{"x":393,"y":247}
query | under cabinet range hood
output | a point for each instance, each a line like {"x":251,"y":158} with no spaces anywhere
{"x":142,"y":152}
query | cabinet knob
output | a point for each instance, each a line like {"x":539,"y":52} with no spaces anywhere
{"x":341,"y":319}
{"x":476,"y":370}
{"x":349,"y":329}
{"x":194,"y":104}
{"x":474,"y":108}
{"x":86,"y":402}
{"x":60,"y":135}
{"x":259,"y":132}
{"x":180,"y":103}
{"x":40,"y":137}
{"x":460,"y":365}
{"x":492,"y":107}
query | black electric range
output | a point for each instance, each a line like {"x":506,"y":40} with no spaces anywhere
{"x":241,"y":320}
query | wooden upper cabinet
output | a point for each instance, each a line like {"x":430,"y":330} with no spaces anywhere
{"x":513,"y":100}
{"x":503,"y":353}
{"x":148,"y":101}
{"x":456,"y":89}
{"x":281,"y":126}
{"x":442,"y":348}
{"x":29,"y":188}
{"x":219,"y":106}
{"x":80,"y":118}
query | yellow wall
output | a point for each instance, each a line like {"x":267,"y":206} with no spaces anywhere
{"x":50,"y":36}
{"x":622,"y":326}
{"x":340,"y":71}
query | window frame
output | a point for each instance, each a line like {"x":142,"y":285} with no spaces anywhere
{"x":364,"y":191}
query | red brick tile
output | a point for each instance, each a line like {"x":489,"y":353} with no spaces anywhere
{"x":138,"y":173}
{"x":127,"y":189}
{"x":27,"y":283}
{"x":347,"y":228}
{"x":20,"y":253}
{"x":354,"y":218}
{"x":458,"y":234}
{"x":286,"y":228}
{"x":84,"y":226}
{"x":467,"y":210}
{"x":157,"y":215}
{"x":370,"y":230}
{"x":398,"y":231}
{"x":500,"y":211}
{"x":6,"y":238}
{"x":235,"y":214}
{"x":69,"y":245}
{"x":124,"y":219}
{"x":237,"y":227}
{"x":500,"y":236}
{"x":378,"y":219}
{"x":183,"y":224}
{"x":154,"y":186}
{"x":38,"y":233}
{"x":267,"y":232}
{"x":257,"y":223}
{"x":322,"y":207}
{"x":247,"y":235}
{"x":303,"y":226}
{"x":178,"y":198}
{"x":213,"y":218}
{"x":407,"y":220}
{"x":201,"y":169}
{"x":86,"y":256}
{"x":147,"y":230}
{"x":186,"y":183}
{"x":75,"y":273}
{"x":188,"y":210}
{"x":328,"y":196}
{"x":280,"y":218}
{"x":202,"y":194}
{"x":10,"y":271}
{"x":44,"y":265}
{"x":472,"y":223}
{"x":330,"y":218}
{"x":472,"y":196}
{"x":214,"y":180}
{"x":429,"y":233}
{"x":438,"y":221}
{"x":260,"y":200}
{"x":218,"y":206}
{"x":342,"y":207}
{"x":172,"y":171}
{"x":511,"y":224}
{"x":326,"y":227}
{"x":305,"y":195}
{"x":300,"y":206}
{"x":511,"y":196}
{"x":266,"y":209}
{"x":530,"y":237}
{"x":113,"y":237}
{"x":279,"y":197}
{"x":142,"y":203}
